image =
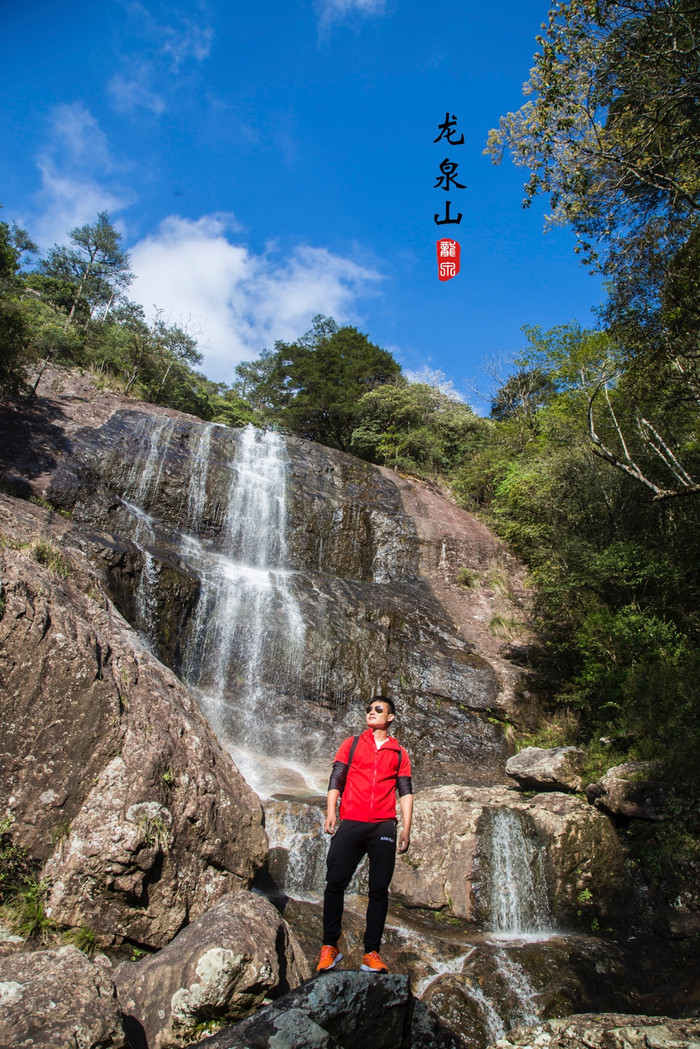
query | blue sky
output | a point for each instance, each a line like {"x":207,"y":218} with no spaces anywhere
{"x":267,"y":162}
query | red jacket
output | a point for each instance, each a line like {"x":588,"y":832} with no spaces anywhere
{"x":369,"y":786}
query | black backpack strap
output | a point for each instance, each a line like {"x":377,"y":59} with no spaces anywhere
{"x":353,"y":748}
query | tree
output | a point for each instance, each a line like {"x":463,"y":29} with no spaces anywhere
{"x":311,"y":387}
{"x":612,"y":134}
{"x":94,"y":266}
{"x":14,"y":354}
{"x":414,"y":427}
{"x":523,"y":393}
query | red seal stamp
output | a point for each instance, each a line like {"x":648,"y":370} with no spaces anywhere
{"x":447,"y":258}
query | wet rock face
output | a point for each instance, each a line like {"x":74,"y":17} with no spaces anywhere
{"x":606,"y":1031}
{"x":111,"y":773}
{"x":357,"y":572}
{"x":57,"y":998}
{"x":216,"y":971}
{"x":501,"y":986}
{"x":452,"y":865}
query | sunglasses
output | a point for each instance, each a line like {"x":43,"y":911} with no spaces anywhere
{"x":377,"y":708}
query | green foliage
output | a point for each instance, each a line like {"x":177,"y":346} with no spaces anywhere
{"x":468,"y":578}
{"x":560,"y":729}
{"x":614,"y":572}
{"x":311,"y":387}
{"x":90,"y":272}
{"x":16,"y":869}
{"x":612,"y":127}
{"x":502,"y":626}
{"x":25,"y":912}
{"x":156,"y":833}
{"x":416,"y":428}
{"x":22,"y":895}
{"x":84,"y":938}
{"x":15,"y":355}
{"x":612,"y":133}
{"x":44,"y":553}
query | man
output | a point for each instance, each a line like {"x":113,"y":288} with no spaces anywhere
{"x":367,"y":772}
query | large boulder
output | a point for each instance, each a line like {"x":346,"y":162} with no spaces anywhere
{"x":450,"y":866}
{"x":606,"y":1031}
{"x":217,"y":970}
{"x":559,"y":768}
{"x":627,"y":791}
{"x":110,"y":771}
{"x":342,"y":1010}
{"x":57,"y":998}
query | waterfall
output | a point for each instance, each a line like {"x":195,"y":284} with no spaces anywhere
{"x":143,"y":478}
{"x":519,"y":985}
{"x":247,"y":637}
{"x":199,"y":471}
{"x":243,"y":648}
{"x":296,"y":830}
{"x":519,"y":903}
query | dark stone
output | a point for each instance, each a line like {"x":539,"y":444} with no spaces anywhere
{"x":349,"y":1010}
{"x":626,"y":791}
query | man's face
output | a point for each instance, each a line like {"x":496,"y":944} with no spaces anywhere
{"x":378,"y":715}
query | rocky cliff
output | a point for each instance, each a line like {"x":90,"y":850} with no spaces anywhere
{"x":180,"y":601}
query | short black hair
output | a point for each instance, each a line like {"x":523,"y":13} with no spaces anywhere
{"x":385,"y":699}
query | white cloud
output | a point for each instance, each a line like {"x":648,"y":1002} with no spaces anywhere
{"x":77,"y":175}
{"x":147,"y":78}
{"x":237,"y":303}
{"x":194,"y":41}
{"x":330,"y":11}
{"x":129,"y":93}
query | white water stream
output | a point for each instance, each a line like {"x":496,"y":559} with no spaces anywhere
{"x":519,"y":900}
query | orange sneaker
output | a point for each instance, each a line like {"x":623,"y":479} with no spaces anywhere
{"x":328,"y":958}
{"x":372,"y":963}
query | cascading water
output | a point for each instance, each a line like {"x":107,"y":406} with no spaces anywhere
{"x":246,"y":639}
{"x":519,"y":904}
{"x":248,"y":632}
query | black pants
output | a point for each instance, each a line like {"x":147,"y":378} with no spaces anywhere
{"x":351,"y":842}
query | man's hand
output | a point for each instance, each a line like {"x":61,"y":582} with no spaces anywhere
{"x":406,"y":803}
{"x":331,"y":805}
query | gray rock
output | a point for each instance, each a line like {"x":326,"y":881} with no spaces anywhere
{"x":349,"y":1010}
{"x":107,"y":765}
{"x":57,"y":999}
{"x":625,"y":791}
{"x":559,"y":768}
{"x":217,"y":970}
{"x":448,"y":866}
{"x":605,"y":1031}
